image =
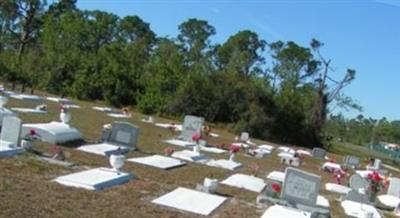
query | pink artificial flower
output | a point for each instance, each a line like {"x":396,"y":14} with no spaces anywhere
{"x":234,"y":148}
{"x":196,"y":137}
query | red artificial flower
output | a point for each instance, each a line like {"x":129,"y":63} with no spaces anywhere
{"x":32,"y":132}
{"x":168,"y":151}
{"x":276,"y":187}
{"x":234,"y":148}
{"x":196,"y":137}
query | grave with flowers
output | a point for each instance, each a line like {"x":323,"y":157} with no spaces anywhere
{"x":55,"y":132}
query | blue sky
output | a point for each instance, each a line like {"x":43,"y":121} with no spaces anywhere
{"x":359,"y":34}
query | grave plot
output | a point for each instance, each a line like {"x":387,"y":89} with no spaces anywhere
{"x":29,"y":110}
{"x":247,"y":182}
{"x":53,"y":132}
{"x":119,"y":137}
{"x":158,"y":161}
{"x":224,"y":164}
{"x":191,"y":201}
{"x":10,"y":137}
{"x":95,"y":179}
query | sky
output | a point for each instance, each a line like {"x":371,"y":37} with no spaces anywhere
{"x":358,"y":34}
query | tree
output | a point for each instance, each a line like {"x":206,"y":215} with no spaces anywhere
{"x":242,"y":53}
{"x":194,"y":37}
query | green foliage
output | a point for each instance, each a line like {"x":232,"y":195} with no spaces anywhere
{"x":273,"y":91}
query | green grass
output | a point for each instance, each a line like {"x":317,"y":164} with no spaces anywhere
{"x":26,"y":189}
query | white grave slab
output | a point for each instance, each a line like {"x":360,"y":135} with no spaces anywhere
{"x":59,"y":100}
{"x":336,"y":188}
{"x":389,"y":200}
{"x":95,"y":179}
{"x":28,"y":110}
{"x":190,"y":156}
{"x":331,"y":166}
{"x":268,"y":147}
{"x":191,"y":201}
{"x":286,"y":155}
{"x":323,"y":202}
{"x":225,"y":164}
{"x":25,"y":97}
{"x":242,"y":145}
{"x":102,"y":109}
{"x":247,"y":182}
{"x":104,"y":149}
{"x":213,"y":150}
{"x":276,"y":176}
{"x":178,"y":127}
{"x":215,"y":135}
{"x":158,"y":161}
{"x":53,"y":132}
{"x":117,"y":115}
{"x":304,"y":152}
{"x":278,"y":211}
{"x":178,"y":142}
{"x":7,"y":151}
{"x":355,"y":209}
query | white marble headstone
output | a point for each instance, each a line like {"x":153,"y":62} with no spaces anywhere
{"x":300,"y":187}
{"x":11,"y":130}
{"x":191,"y":125}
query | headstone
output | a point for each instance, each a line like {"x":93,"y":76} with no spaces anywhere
{"x":124,"y":134}
{"x":300,"y":187}
{"x":394,"y":187}
{"x":244,"y":137}
{"x":318,"y":153}
{"x":191,"y":125}
{"x":11,"y":130}
{"x":357,"y":182}
{"x":352,"y":161}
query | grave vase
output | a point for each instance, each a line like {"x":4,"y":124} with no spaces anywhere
{"x":117,"y":161}
{"x":232,"y":157}
{"x":65,"y":117}
{"x":26,"y":144}
{"x":196,"y":148}
{"x":372,"y":196}
{"x":211,"y":184}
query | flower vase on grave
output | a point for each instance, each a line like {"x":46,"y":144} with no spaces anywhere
{"x":397,"y":210}
{"x":210,"y":184}
{"x":117,"y":161}
{"x":65,"y":117}
{"x":232,"y":157}
{"x":26,"y":144}
{"x":196,"y":148}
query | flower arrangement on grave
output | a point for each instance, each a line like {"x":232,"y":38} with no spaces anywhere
{"x":29,"y":138}
{"x":276,"y":188}
{"x":233,"y":149}
{"x":65,"y":117}
{"x":376,"y":184}
{"x":125,"y":110}
{"x":254,"y":168}
{"x":57,"y":153}
{"x":168,"y":151}
{"x":338,"y":175}
{"x":196,"y":138}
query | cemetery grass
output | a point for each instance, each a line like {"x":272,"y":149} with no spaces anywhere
{"x":27,"y":190}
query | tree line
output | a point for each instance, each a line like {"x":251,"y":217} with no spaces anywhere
{"x":362,"y":130}
{"x":273,"y":90}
